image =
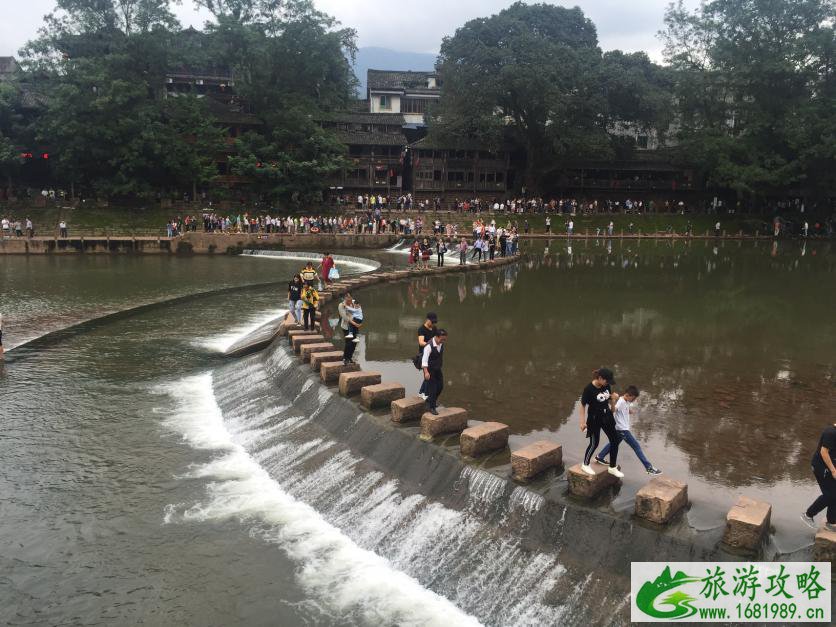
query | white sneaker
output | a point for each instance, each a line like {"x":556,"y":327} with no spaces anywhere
{"x":356,"y":340}
{"x":349,"y":336}
{"x":422,"y":395}
{"x":615,"y":472}
{"x":587,"y":469}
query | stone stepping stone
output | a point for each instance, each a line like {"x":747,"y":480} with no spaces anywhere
{"x":330,"y":372}
{"x":409,"y":408}
{"x":300,"y":340}
{"x":381,"y":395}
{"x":661,"y":499}
{"x":588,"y":486}
{"x":484,"y":438}
{"x":448,"y":420}
{"x":531,"y":460}
{"x":309,"y":349}
{"x":747,"y":523}
{"x":352,"y":382}
{"x":317,"y":359}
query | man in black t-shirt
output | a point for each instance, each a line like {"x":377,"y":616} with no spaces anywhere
{"x":824,"y":470}
{"x":294,"y":298}
{"x":597,"y":401}
{"x":426,"y":332}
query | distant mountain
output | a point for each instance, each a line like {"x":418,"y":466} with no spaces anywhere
{"x":385,"y":59}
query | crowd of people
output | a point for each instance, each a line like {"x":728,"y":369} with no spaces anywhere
{"x":524,"y":204}
{"x":15,"y":227}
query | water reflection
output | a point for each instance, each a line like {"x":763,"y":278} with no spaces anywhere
{"x":731,"y":343}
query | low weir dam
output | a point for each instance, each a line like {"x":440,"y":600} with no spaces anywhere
{"x":498,"y":551}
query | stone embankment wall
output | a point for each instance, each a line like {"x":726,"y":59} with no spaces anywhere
{"x":199,"y":243}
{"x":221,"y":243}
{"x":87,"y":245}
{"x":210,"y":243}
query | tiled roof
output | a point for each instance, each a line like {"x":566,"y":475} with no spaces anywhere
{"x":356,"y":117}
{"x":360,"y":138}
{"x":31,"y":97}
{"x":8,"y":65}
{"x":431,"y":142}
{"x":195,"y":72}
{"x":386,"y":79}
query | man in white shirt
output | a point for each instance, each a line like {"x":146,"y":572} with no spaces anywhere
{"x":622,"y":426}
{"x":432,"y":361}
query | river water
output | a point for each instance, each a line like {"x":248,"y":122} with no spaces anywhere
{"x":144,"y":479}
{"x":732,"y":345}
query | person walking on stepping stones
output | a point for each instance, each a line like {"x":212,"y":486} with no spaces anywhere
{"x":345,"y":325}
{"x":597,"y":402}
{"x":426,"y":332}
{"x":431,"y":363}
{"x":824,"y":470}
{"x":623,"y":408}
{"x":310,"y":301}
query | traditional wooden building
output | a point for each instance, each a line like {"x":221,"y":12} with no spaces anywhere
{"x":390,"y":154}
{"x":216,"y":86}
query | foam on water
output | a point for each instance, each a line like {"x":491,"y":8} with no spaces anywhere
{"x":352,"y":581}
{"x":362,"y":264}
{"x":366,"y":548}
{"x":452,"y":552}
{"x":222,"y":342}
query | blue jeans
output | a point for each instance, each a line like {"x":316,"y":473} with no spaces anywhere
{"x":628,"y":439}
{"x":296,"y":310}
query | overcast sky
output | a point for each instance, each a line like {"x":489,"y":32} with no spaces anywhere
{"x":409,"y":26}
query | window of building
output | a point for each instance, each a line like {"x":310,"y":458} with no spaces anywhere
{"x":455,"y":176}
{"x":385,"y":102}
{"x":355,"y":150}
{"x":436,"y":175}
{"x":491,"y":177}
{"x":415,"y":105}
{"x":642,"y":141}
{"x":360,"y":174}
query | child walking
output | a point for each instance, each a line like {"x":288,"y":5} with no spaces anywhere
{"x":623,"y":407}
{"x":597,"y":401}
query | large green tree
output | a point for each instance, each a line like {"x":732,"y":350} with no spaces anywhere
{"x":112,"y":130}
{"x":291,"y":63}
{"x":11,"y":132}
{"x":101,"y":65}
{"x":755,"y":89}
{"x":527,"y":76}
{"x":533,"y":78}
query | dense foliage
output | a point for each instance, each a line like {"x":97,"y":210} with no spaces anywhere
{"x":755,"y":83}
{"x":112,"y":130}
{"x":747,"y":95}
{"x":533,"y":78}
